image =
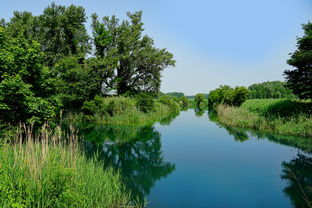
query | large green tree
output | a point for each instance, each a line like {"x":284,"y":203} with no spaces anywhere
{"x":25,"y":83}
{"x":300,"y":77}
{"x":272,"y":89}
{"x":63,"y":32}
{"x":138,"y":63}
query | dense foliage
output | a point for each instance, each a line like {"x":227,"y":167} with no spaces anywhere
{"x":136,"y":65}
{"x":227,"y":95}
{"x":281,"y":116}
{"x":47,"y":62}
{"x":274,"y":89}
{"x":52,"y":174}
{"x":175,"y":94}
{"x":300,"y":78}
{"x":200,"y":100}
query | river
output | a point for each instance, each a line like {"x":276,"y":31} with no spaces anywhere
{"x":192,"y":161}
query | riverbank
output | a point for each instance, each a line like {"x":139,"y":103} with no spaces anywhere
{"x":127,"y":111}
{"x":279,"y":116}
{"x":43,"y":171}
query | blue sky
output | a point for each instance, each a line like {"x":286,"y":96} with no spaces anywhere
{"x":214,"y":42}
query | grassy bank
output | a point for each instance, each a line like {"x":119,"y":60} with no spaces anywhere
{"x":50,"y":173}
{"x":128,"y":111}
{"x":280,"y":116}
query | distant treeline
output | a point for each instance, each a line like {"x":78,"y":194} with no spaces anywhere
{"x":269,"y":89}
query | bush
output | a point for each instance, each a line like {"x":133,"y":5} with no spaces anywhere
{"x":145,"y":102}
{"x":171,"y":102}
{"x":200,"y":100}
{"x":109,"y":106}
{"x":184,"y":102}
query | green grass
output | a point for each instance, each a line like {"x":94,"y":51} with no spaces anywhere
{"x":124,"y":110}
{"x":54,"y":174}
{"x":280,"y":116}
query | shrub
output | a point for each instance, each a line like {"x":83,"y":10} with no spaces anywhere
{"x":200,"y":100}
{"x":184,"y":102}
{"x":169,"y":101}
{"x":145,"y":102}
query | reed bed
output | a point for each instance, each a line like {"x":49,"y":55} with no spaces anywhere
{"x":47,"y":169}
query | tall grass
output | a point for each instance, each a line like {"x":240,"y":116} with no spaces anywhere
{"x":281,"y":116}
{"x":43,"y":171}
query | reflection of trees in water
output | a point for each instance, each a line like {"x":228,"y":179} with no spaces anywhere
{"x":199,"y":112}
{"x":298,"y":173}
{"x":243,"y":134}
{"x":240,"y":135}
{"x":168,"y":119}
{"x":134,"y":151}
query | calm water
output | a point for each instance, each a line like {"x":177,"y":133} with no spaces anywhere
{"x":193,"y":162}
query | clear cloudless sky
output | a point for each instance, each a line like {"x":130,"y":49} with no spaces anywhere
{"x":214,"y":42}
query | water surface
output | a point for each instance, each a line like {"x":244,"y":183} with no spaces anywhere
{"x":194,"y":162}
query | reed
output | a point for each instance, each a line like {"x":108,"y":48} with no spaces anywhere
{"x":47,"y":169}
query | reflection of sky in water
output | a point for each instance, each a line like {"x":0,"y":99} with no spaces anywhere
{"x":215,"y":170}
{"x":193,"y":162}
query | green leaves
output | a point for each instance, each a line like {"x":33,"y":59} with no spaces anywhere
{"x":138,"y":64}
{"x":227,"y":95}
{"x":299,"y":79}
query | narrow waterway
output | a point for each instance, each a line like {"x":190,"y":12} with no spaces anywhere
{"x":194,"y":162}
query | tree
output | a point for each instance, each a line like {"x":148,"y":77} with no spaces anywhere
{"x":75,"y":83}
{"x":299,"y":79}
{"x":60,"y":31}
{"x":184,"y":102}
{"x":227,"y":95}
{"x":25,"y":92}
{"x":138,"y":63}
{"x":63,"y":33}
{"x":273,"y":89}
{"x":200,"y":100}
{"x":240,"y":95}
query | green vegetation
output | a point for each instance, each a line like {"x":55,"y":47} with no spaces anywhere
{"x":52,"y":71}
{"x":281,"y":116}
{"x":274,"y":89}
{"x":228,"y":96}
{"x":48,"y":173}
{"x":126,"y":110}
{"x":300,"y":78}
{"x":200,"y":100}
{"x":48,"y":65}
{"x":175,"y":94}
